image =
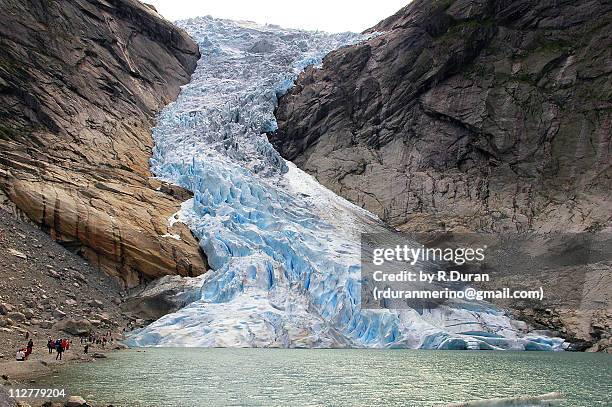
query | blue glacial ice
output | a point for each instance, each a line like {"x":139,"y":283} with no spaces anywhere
{"x":284,"y":251}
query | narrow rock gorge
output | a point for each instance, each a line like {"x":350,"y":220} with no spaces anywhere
{"x":80,"y":84}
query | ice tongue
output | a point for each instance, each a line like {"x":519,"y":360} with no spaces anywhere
{"x":284,"y":250}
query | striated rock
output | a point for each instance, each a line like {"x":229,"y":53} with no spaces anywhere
{"x":475,"y":115}
{"x":80,"y":83}
{"x":472,"y":116}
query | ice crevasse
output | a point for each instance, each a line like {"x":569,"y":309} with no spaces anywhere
{"x":284,"y":251}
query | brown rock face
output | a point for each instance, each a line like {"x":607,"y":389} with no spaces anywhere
{"x":80,"y":83}
{"x":465,"y":115}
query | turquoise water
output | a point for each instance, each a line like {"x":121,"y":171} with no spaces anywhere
{"x":280,"y":377}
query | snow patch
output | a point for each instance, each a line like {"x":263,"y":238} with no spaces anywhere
{"x":172,"y":236}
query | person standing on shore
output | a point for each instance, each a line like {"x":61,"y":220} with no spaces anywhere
{"x":50,"y":345}
{"x":29,"y":348}
{"x":59,"y":349}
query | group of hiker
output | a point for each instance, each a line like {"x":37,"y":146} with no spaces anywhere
{"x":61,"y":345}
{"x":97,"y":339}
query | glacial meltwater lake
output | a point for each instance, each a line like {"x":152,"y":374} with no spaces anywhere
{"x":304,"y":377}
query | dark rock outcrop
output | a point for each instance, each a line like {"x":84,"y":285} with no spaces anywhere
{"x":160,"y":297}
{"x":80,"y":83}
{"x":465,"y":115}
{"x":472,"y":116}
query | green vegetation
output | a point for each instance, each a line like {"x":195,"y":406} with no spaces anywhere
{"x":445,"y":4}
{"x":459,"y":29}
{"x":8,"y":132}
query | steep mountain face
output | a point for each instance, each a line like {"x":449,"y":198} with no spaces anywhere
{"x":80,"y":83}
{"x":465,"y":115}
{"x":471,"y":116}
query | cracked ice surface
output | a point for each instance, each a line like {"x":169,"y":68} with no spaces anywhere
{"x":284,"y":250}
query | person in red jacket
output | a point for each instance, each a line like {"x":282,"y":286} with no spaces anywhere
{"x":29,"y":348}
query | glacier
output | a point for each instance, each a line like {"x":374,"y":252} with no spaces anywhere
{"x":284,"y":251}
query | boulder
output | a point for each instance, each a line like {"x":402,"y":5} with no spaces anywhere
{"x":16,"y":316}
{"x":46,"y":324}
{"x":96,"y":304}
{"x":76,"y":401}
{"x":17,"y":253}
{"x":102,"y":317}
{"x":5,"y":308}
{"x":28,"y":313}
{"x":79,"y":276}
{"x":74,"y":326}
{"x":58,"y":314}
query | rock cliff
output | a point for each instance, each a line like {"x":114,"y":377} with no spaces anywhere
{"x":80,"y":84}
{"x":465,"y":115}
{"x":474,"y":116}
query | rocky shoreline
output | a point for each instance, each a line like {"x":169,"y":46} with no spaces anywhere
{"x":46,"y":291}
{"x":42,"y":365}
